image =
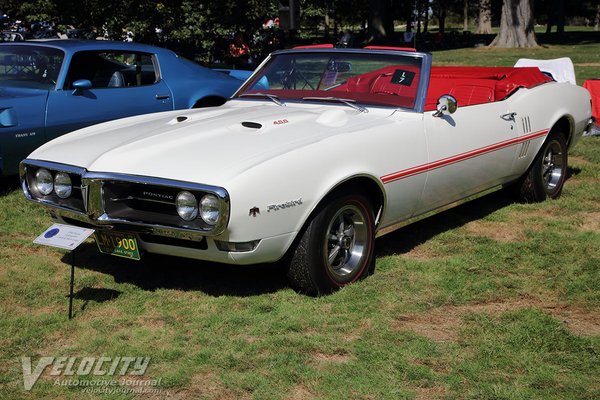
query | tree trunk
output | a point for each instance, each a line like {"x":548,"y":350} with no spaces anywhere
{"x":377,"y":19}
{"x":516,"y":25}
{"x":419,"y":11}
{"x":597,"y":22}
{"x":442,"y":19}
{"x":388,"y":19}
{"x":484,"y":25}
{"x":560,"y":20}
{"x":466,"y":15}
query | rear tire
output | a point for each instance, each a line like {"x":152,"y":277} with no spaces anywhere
{"x":546,"y":175}
{"x":335,"y":248}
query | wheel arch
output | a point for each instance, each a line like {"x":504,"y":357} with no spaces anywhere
{"x":363,"y":184}
{"x":565,"y":125}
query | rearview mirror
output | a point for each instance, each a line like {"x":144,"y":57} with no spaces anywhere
{"x":446,"y":105}
{"x":80,"y":85}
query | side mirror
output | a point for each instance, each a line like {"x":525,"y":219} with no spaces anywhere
{"x":80,"y":85}
{"x":446,"y":105}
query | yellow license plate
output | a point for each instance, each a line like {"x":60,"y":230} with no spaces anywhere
{"x":118,"y":244}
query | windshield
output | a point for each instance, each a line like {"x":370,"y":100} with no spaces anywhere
{"x":35,"y":67}
{"x":362,"y":77}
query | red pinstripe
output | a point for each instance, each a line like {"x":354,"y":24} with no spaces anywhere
{"x":460,"y":157}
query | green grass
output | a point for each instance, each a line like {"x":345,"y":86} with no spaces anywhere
{"x":491,"y":300}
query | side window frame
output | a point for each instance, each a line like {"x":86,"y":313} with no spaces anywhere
{"x":94,"y":66}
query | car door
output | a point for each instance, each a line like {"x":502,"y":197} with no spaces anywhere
{"x":123,"y":83}
{"x":468,"y":152}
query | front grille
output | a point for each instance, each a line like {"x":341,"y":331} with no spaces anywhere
{"x":126,"y":202}
{"x":145,"y":203}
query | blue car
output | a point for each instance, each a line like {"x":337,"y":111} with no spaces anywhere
{"x":49,"y":88}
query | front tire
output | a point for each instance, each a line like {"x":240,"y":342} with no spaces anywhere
{"x":546,"y":176}
{"x":336,"y":248}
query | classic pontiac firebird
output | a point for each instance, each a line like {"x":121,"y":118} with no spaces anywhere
{"x":319,"y":151}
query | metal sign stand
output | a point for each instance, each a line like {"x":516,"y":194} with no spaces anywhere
{"x":71,"y":284}
{"x":69,"y":238}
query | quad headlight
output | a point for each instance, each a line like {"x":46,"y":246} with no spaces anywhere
{"x":210,"y":209}
{"x":43,"y":182}
{"x":62,"y":185}
{"x":187,"y":206}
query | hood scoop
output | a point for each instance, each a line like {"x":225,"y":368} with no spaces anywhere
{"x":251,"y":125}
{"x":177,"y":120}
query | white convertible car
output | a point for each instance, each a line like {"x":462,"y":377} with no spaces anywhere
{"x":319,"y":151}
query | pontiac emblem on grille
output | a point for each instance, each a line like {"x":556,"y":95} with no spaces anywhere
{"x":254,"y":211}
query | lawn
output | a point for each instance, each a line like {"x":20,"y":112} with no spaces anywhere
{"x":490,"y":300}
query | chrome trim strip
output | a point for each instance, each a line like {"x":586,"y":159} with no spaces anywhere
{"x":397,"y":225}
{"x":50,"y":165}
{"x":92,"y":184}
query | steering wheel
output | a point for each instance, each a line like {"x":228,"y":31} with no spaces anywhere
{"x":289,"y":80}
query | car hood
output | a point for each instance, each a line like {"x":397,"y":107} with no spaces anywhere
{"x":207,"y":145}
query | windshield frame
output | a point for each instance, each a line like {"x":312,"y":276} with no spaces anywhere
{"x":421,"y":90}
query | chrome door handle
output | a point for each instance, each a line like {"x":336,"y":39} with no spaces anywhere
{"x":162,"y":96}
{"x":509,"y":116}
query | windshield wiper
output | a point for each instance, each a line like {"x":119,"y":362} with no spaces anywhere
{"x":349,"y":102}
{"x":271,"y":97}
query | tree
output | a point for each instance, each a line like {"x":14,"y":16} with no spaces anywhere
{"x":484,"y":23}
{"x":465,"y":15}
{"x":516,"y":25}
{"x":381,"y":23}
{"x":597,"y":21}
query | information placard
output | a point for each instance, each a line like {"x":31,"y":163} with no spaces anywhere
{"x":64,"y":236}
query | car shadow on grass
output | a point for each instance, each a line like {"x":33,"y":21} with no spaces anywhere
{"x":167,"y":272}
{"x":9,"y":184}
{"x":407,"y":238}
{"x":96,"y":295}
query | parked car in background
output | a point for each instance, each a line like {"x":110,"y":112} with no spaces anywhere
{"x":13,"y":36}
{"x":48,"y":88}
{"x":320,"y":151}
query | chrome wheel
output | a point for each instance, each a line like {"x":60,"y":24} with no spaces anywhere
{"x":552,"y":166}
{"x":548,"y":171}
{"x":346,"y":242}
{"x":335,"y":248}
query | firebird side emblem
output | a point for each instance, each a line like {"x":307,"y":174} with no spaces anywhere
{"x":281,"y":206}
{"x":280,"y":122}
{"x":254,"y":211}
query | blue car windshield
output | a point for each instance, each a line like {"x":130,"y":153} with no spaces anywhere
{"x":35,"y":67}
